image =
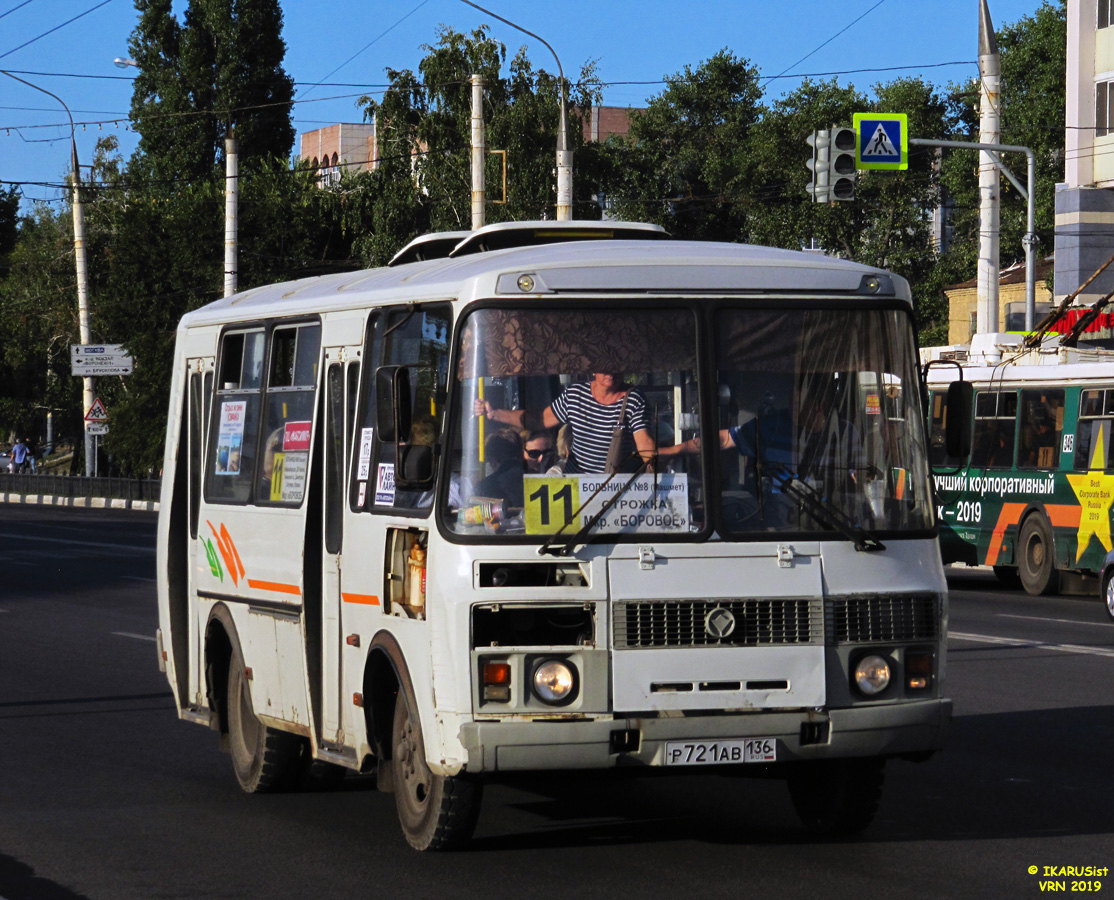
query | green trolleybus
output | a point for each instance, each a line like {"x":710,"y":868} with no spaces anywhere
{"x":1031,"y":495}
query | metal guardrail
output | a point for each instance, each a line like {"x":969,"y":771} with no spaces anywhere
{"x":80,"y":486}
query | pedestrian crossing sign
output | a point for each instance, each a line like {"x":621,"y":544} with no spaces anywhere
{"x":882,"y":139}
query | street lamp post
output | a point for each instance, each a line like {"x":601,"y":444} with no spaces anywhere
{"x":88,"y":394}
{"x":564,"y":153}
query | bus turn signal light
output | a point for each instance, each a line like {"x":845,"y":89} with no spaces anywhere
{"x":497,"y":681}
{"x":918,"y":670}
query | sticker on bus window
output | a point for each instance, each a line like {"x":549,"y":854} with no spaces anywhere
{"x":363,"y":495}
{"x":385,"y":485}
{"x":230,"y":436}
{"x":651,"y":503}
{"x":365,"y":455}
{"x":295,"y":436}
{"x":873,"y":405}
{"x":294,"y":474}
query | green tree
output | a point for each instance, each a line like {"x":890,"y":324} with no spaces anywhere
{"x":690,"y":164}
{"x":218,"y":72}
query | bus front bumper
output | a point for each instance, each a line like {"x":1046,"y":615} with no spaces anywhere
{"x":863,"y":731}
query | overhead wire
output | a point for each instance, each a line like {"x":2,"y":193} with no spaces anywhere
{"x":55,"y":28}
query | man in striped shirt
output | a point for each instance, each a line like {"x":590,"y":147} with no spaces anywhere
{"x":593,"y":410}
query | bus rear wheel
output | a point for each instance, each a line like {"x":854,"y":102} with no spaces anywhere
{"x":264,"y":758}
{"x":436,"y":812}
{"x":837,"y":797}
{"x":1108,"y":596}
{"x":1036,"y":557}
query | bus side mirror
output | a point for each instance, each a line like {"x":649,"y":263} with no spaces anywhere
{"x":957,"y":431}
{"x":392,"y":403}
{"x":414,"y":468}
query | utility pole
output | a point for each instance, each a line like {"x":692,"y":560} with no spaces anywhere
{"x":231,"y":198}
{"x":990,"y":76}
{"x":564,"y":153}
{"x":88,"y":394}
{"x":478,"y":188}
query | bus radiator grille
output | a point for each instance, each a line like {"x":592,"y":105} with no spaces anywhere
{"x":863,"y":619}
{"x":642,"y":624}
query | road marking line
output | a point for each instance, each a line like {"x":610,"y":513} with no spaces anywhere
{"x":138,"y":637}
{"x":1033,"y":645}
{"x":139,"y":578}
{"x":73,"y":542}
{"x":1067,"y":621}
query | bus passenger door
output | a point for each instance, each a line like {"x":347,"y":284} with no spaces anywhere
{"x":186,"y":629}
{"x":341,"y":381}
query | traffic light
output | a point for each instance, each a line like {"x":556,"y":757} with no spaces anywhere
{"x":842,"y":167}
{"x":818,"y":185}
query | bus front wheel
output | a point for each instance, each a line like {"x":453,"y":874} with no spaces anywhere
{"x":1036,"y":557}
{"x":264,"y":758}
{"x":839,"y":796}
{"x":1108,"y":596}
{"x":436,"y":812}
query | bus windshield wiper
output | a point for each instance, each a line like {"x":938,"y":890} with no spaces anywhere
{"x":827,"y":512}
{"x":550,"y":545}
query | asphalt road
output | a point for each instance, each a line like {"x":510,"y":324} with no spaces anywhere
{"x":105,"y":794}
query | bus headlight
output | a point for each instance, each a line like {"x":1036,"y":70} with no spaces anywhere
{"x":872,"y":675}
{"x":555,"y":682}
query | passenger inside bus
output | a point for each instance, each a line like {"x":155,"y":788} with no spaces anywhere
{"x":503,"y":450}
{"x":610,"y":425}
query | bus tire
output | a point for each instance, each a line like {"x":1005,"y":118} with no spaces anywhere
{"x":1036,"y":557}
{"x":264,"y":759}
{"x":1108,"y":596}
{"x":436,"y":812}
{"x":837,"y":797}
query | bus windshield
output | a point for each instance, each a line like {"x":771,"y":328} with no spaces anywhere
{"x":820,"y":421}
{"x":560,"y":412}
{"x":563,"y":414}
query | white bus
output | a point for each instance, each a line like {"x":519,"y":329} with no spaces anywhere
{"x":359,"y":573}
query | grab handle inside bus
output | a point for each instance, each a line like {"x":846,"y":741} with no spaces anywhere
{"x":392,"y":403}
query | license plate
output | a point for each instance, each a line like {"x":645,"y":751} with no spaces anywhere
{"x":706,"y":753}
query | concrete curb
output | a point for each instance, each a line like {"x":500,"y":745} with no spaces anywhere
{"x":80,"y":502}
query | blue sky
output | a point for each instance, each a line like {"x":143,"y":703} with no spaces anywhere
{"x":351,"y":42}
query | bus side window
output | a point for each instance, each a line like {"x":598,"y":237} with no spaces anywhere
{"x":288,"y":414}
{"x":1096,"y":412}
{"x":230,"y":466}
{"x":1042,"y":423}
{"x":995,"y":424}
{"x":413,"y":338}
{"x":362,"y":475}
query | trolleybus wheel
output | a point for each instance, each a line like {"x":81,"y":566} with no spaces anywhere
{"x":264,"y":758}
{"x":839,"y":796}
{"x":1108,"y":596}
{"x":1036,"y":557}
{"x":437,"y":812}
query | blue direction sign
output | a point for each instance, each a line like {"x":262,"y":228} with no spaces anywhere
{"x":883,"y":140}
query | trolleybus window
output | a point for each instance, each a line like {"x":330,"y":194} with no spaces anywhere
{"x":813,"y":421}
{"x":1042,"y":423}
{"x":1096,"y":412}
{"x":995,"y":424}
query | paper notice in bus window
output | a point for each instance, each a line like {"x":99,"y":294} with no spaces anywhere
{"x":363,"y":495}
{"x":651,"y":504}
{"x":294,"y":473}
{"x":230,"y":436}
{"x":385,"y":484}
{"x":365,"y":455}
{"x":873,"y":405}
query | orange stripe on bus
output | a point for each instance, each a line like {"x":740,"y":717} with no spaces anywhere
{"x":275,"y":586}
{"x":368,"y":599}
{"x":1064,"y":515}
{"x":1010,"y":515}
